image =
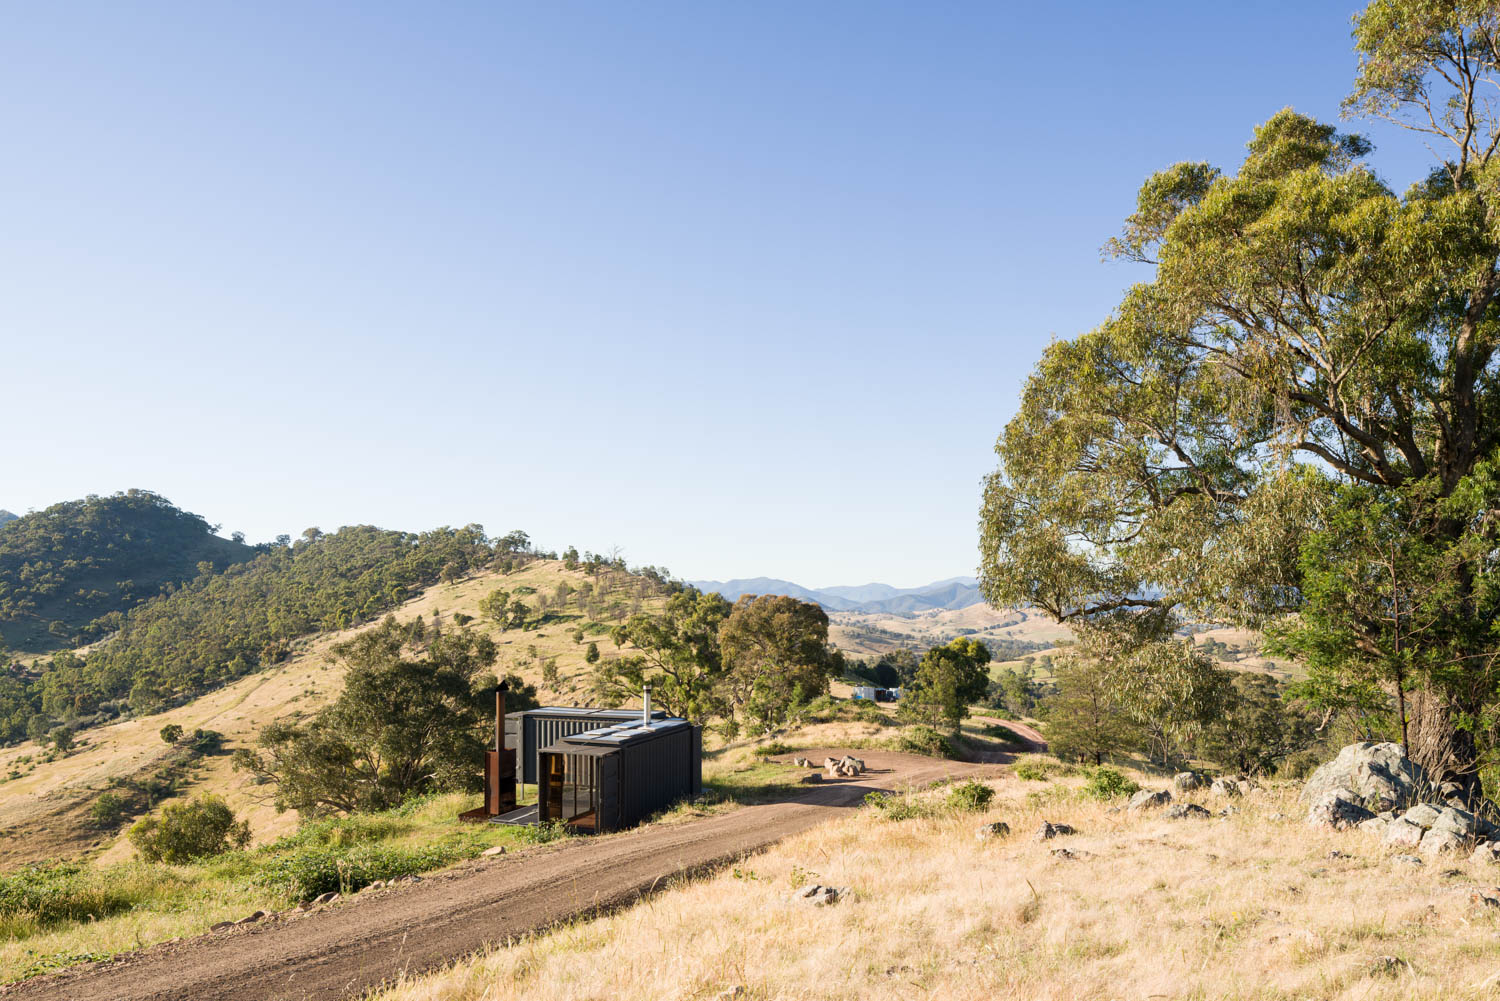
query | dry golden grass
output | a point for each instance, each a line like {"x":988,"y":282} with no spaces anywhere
{"x":933,"y":628}
{"x":1246,"y":907}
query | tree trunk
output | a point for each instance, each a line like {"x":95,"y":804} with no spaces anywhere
{"x":1446,"y":753}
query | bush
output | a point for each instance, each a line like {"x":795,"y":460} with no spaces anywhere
{"x":925,"y":740}
{"x":970,"y":797}
{"x":39,"y":896}
{"x":772,"y":749}
{"x":1107,"y":783}
{"x":171,"y":733}
{"x":317,"y":869}
{"x":108,"y":810}
{"x":186,"y":832}
{"x":1299,"y":765}
{"x":1033,"y":770}
{"x":893,"y":806}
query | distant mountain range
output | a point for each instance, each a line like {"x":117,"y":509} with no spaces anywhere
{"x":953,"y":593}
{"x":7,"y":516}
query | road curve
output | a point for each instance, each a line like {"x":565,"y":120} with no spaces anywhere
{"x":347,"y":949}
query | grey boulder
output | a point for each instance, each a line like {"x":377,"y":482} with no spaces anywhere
{"x":1378,"y":776}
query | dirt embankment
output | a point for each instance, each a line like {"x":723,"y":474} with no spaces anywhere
{"x":347,"y":949}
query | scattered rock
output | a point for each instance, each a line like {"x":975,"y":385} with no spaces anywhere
{"x":1487,"y":852}
{"x":1385,"y":966}
{"x":1063,"y":853}
{"x":1245,"y":786}
{"x":1338,"y":854}
{"x":1437,"y":840}
{"x":1188,"y":781}
{"x":819,"y":896}
{"x":1375,"y":825}
{"x":1277,"y":816}
{"x":250,"y":919}
{"x":1228,"y":811}
{"x":1403,"y":832}
{"x":221,"y":926}
{"x":1377,"y":775}
{"x":1424,"y":815}
{"x":999,"y":829}
{"x":1483,"y":900}
{"x":1185,"y":811}
{"x":1337,"y":809}
{"x":1406,"y":860}
{"x":1458,"y":820}
{"x":326,"y":898}
{"x":1225,"y":787}
{"x":812,"y":777}
{"x":376,"y":884}
{"x":730,"y":993}
{"x":492,"y":852}
{"x":1148,"y":799}
{"x":1050,"y":830}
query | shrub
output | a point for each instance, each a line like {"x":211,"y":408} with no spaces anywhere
{"x":171,"y":733}
{"x":317,"y":869}
{"x":207,"y":741}
{"x":970,"y":797}
{"x":925,"y":740}
{"x":541,"y":834}
{"x":39,"y":896}
{"x":772,"y":749}
{"x":108,"y":810}
{"x":188,"y":831}
{"x":1107,"y":783}
{"x":1033,"y":770}
{"x":894,"y":806}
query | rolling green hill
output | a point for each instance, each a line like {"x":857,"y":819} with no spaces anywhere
{"x":75,"y":562}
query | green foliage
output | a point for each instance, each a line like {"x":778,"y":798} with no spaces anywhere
{"x":310,"y":871}
{"x":925,"y":740}
{"x":948,"y":679}
{"x":75,"y":562}
{"x":591,"y":655}
{"x":1032,"y":770}
{"x":171,"y":733}
{"x":970,"y":797}
{"x":677,"y":650}
{"x":220,"y":626}
{"x":1295,"y":419}
{"x":38,"y":897}
{"x":403,"y":725}
{"x":1108,"y":783}
{"x":187,"y":832}
{"x":776,"y":658}
{"x":108,"y":811}
{"x":899,"y":806}
{"x":1086,"y":718}
{"x":773,"y":748}
{"x":1257,"y":727}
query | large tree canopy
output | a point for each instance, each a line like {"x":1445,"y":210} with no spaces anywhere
{"x":1312,"y":343}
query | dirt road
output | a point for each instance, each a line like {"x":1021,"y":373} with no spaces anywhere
{"x":346,"y":949}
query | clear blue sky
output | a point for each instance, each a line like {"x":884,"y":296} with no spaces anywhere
{"x":743,"y":288}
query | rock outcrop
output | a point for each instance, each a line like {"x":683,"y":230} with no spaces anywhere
{"x":1376,"y":777}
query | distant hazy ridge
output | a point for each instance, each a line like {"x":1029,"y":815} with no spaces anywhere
{"x":953,"y":593}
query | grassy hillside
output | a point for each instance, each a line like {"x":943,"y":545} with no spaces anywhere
{"x":45,"y":796}
{"x":864,"y":634}
{"x":62,"y":568}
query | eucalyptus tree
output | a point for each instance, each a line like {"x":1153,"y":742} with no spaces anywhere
{"x":1294,"y":423}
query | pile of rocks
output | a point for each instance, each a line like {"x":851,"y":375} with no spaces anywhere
{"x":1374,"y":787}
{"x":820,"y":896}
{"x":843,"y":768}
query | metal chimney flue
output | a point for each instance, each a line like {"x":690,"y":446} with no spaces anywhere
{"x":500,"y":717}
{"x":646,"y":706}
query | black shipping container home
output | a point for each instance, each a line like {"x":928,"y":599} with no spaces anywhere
{"x":614,"y":776}
{"x":530,"y":731}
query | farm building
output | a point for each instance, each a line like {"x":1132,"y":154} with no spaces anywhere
{"x":872,"y":694}
{"x":617,"y":775}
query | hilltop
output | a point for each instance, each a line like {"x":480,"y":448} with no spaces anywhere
{"x":6,"y":516}
{"x":65,"y":567}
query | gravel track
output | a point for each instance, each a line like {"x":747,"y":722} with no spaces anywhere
{"x":346,"y":949}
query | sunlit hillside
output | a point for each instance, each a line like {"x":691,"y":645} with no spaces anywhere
{"x":44,"y":803}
